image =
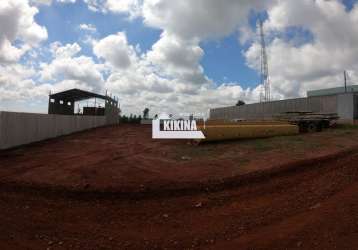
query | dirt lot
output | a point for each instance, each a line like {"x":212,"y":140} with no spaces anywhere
{"x":116,"y":188}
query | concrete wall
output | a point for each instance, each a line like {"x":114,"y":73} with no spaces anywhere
{"x":265,"y":111}
{"x":345,"y":107}
{"x":355,"y":103}
{"x":333,"y":91}
{"x":23,"y":128}
{"x":146,"y":121}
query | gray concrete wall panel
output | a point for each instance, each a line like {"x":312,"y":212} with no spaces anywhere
{"x":345,"y":106}
{"x":265,"y":111}
{"x":23,"y":128}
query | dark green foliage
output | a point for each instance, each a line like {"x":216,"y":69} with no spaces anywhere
{"x":240,"y":103}
{"x":133,"y":119}
{"x":145,"y":113}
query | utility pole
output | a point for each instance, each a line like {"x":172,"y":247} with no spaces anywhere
{"x":265,"y":80}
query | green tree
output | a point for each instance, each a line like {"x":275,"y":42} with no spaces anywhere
{"x":240,"y":103}
{"x":145,"y":113}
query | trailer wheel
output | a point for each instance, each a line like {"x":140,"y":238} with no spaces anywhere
{"x":302,"y":127}
{"x":314,"y":127}
{"x":325,"y":124}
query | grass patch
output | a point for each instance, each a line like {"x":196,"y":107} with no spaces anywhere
{"x":239,"y":163}
{"x":294,"y":145}
{"x":260,"y":145}
{"x":346,"y":127}
{"x":297,"y":143}
{"x":201,"y":151}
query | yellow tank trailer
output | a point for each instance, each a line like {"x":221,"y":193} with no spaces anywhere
{"x":219,"y":131}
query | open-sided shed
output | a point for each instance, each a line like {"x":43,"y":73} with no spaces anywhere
{"x":63,"y":103}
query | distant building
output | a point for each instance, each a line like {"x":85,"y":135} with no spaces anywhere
{"x":333,"y":91}
{"x":23,"y":128}
{"x":63,"y":103}
{"x":335,"y":100}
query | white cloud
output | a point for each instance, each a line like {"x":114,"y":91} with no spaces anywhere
{"x":164,"y":78}
{"x":69,"y":50}
{"x":116,"y":51}
{"x":16,"y":83}
{"x":170,"y":76}
{"x":132,"y":8}
{"x":200,"y":18}
{"x":309,"y":43}
{"x":317,"y":63}
{"x":18,"y":24}
{"x":81,"y":70}
{"x":87,"y":27}
{"x":296,"y":64}
{"x":178,"y":58}
{"x":40,"y":2}
{"x":49,"y":2}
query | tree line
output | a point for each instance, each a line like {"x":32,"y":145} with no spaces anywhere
{"x":134,"y":119}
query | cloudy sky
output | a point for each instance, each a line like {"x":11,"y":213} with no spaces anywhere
{"x":172,"y":56}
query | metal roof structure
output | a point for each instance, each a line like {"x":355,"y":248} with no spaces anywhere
{"x":63,"y":103}
{"x":76,"y":95}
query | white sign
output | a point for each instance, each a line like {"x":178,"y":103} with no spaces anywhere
{"x":175,"y":129}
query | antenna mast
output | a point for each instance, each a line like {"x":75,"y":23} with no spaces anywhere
{"x":265,"y":95}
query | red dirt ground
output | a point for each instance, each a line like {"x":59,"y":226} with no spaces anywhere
{"x":116,"y":188}
{"x":126,"y":159}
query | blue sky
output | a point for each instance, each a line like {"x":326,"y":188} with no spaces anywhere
{"x":223,"y":60}
{"x":165,"y":54}
{"x":62,"y":21}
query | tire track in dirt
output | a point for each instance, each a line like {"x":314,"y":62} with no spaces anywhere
{"x":179,"y":189}
{"x":312,"y":207}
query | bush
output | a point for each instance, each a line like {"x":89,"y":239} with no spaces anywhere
{"x":132,"y":119}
